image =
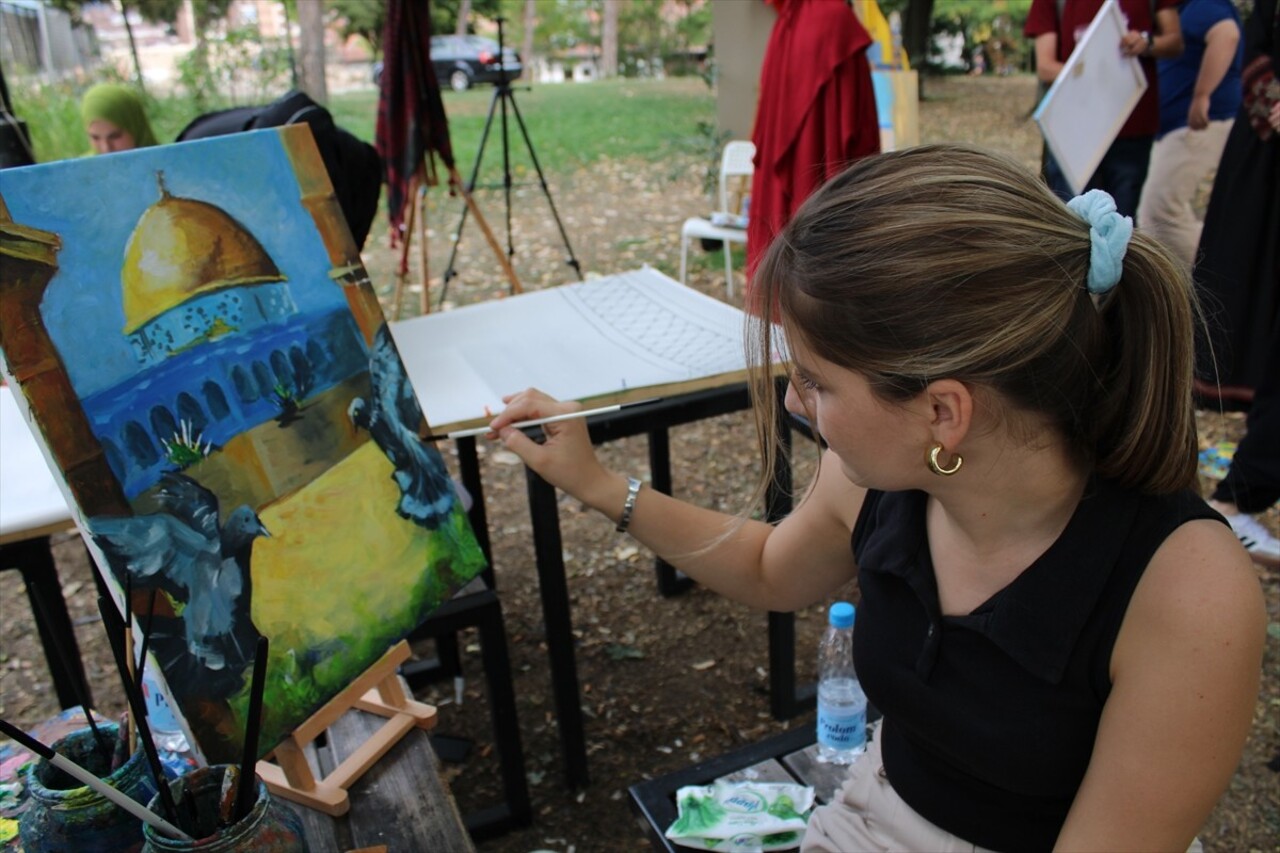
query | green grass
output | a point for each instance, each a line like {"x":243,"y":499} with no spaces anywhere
{"x":570,"y":125}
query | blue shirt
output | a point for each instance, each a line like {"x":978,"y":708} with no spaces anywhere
{"x":1178,"y":76}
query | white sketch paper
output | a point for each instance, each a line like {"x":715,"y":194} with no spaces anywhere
{"x":623,"y":337}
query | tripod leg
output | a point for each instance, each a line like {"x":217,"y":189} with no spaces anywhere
{"x":424,"y":301}
{"x":546,"y":191}
{"x":503,"y":260}
{"x":467,"y":189}
{"x":504,"y":92}
{"x":402,"y":272}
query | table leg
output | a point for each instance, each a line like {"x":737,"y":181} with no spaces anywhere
{"x":469,"y":474}
{"x":34,"y":558}
{"x":671,"y":581}
{"x":786,"y":698}
{"x":554,"y":590}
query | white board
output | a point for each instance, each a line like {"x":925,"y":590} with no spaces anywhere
{"x":623,"y":337}
{"x":1082,"y":113}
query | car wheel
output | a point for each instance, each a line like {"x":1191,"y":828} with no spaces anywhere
{"x":459,"y":81}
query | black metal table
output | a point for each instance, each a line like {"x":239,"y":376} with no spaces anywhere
{"x":654,"y":419}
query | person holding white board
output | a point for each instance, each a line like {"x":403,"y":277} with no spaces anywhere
{"x":1153,"y":33}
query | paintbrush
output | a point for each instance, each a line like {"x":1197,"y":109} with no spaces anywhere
{"x":128,"y":651}
{"x":115,"y":635}
{"x":552,"y":419}
{"x":247,"y":791}
{"x":116,"y":796}
{"x":146,"y":639}
{"x":78,"y":684}
{"x":142,"y":660}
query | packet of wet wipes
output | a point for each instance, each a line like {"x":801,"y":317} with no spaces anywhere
{"x":741,"y":817}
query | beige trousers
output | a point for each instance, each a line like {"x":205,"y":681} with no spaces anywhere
{"x":866,"y":814}
{"x":1181,"y":161}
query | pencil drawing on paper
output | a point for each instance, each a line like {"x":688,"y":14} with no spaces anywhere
{"x":199,"y":349}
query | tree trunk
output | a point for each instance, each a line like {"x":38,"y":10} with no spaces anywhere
{"x":133,"y":45}
{"x":311,"y":51}
{"x":526,"y":44}
{"x":916,"y":26}
{"x":464,"y":15}
{"x":609,"y":40}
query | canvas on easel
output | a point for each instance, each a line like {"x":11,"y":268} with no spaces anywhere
{"x":193,"y":338}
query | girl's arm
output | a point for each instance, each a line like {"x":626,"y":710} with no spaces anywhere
{"x":775,"y":567}
{"x":1185,"y":675}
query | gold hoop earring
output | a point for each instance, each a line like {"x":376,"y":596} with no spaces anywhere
{"x":937,"y":468}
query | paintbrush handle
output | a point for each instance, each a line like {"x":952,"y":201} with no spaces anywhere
{"x":74,"y":770}
{"x":114,"y":625}
{"x":247,"y":786}
{"x":124,"y":801}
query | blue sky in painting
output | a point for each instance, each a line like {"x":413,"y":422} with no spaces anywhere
{"x":93,"y":204}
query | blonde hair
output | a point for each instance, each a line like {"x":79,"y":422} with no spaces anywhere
{"x":946,"y":261}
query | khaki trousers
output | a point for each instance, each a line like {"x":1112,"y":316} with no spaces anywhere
{"x":1181,"y":161}
{"x":866,"y":814}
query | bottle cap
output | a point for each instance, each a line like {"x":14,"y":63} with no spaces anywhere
{"x":840,"y":615}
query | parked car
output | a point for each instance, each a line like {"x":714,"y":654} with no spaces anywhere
{"x":462,"y":61}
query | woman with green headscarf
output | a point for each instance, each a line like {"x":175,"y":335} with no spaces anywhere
{"x":115,"y":119}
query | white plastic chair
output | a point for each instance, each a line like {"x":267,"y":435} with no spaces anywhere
{"x":735,"y":187}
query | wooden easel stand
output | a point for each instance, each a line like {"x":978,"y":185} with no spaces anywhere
{"x":378,"y":691}
{"x":418,"y":214}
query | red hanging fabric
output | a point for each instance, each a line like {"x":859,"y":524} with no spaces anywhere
{"x":816,"y":114}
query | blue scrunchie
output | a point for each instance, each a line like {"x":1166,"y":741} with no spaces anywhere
{"x":1109,"y":234}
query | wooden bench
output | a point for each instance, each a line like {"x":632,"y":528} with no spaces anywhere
{"x":399,"y":805}
{"x":787,"y":757}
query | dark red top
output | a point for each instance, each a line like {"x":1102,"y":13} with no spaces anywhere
{"x":1076,"y":17}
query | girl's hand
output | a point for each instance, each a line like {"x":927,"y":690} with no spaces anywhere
{"x":566,"y":459}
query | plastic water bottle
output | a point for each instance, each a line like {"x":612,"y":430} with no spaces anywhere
{"x":175,"y":753}
{"x":842,"y":706}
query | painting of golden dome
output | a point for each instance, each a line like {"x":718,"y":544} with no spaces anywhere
{"x":181,"y":248}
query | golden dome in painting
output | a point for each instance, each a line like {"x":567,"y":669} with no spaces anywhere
{"x":182,"y":248}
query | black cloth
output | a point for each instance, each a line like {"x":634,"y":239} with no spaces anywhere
{"x":354,"y":168}
{"x":1238,"y":271}
{"x":1252,"y":482}
{"x":990,"y":717}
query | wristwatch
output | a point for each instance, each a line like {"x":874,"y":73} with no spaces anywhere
{"x":1149,"y":50}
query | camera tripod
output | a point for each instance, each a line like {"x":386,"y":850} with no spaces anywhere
{"x":505,"y":98}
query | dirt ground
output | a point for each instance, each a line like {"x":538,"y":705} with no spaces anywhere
{"x":665,"y":681}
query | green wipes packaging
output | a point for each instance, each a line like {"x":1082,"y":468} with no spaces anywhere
{"x":741,"y":817}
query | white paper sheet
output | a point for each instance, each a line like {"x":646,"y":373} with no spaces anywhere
{"x":617,"y":336}
{"x":30,"y":498}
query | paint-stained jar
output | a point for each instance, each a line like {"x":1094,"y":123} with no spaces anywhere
{"x":270,"y":826}
{"x":63,"y":814}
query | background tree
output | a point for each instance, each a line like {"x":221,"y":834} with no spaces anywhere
{"x":992,"y":27}
{"x":609,"y":40}
{"x":311,"y":78}
{"x":528,"y":23}
{"x":205,"y":13}
{"x":361,"y":18}
{"x":450,"y":16}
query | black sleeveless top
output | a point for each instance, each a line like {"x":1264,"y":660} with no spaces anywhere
{"x":990,"y":717}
